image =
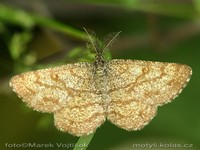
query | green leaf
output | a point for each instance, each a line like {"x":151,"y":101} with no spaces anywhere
{"x":18,"y":44}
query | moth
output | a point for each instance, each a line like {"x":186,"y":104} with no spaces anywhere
{"x":83,"y":95}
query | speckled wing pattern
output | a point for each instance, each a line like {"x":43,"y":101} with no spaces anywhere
{"x":67,"y":91}
{"x":138,"y":87}
{"x":134,"y":91}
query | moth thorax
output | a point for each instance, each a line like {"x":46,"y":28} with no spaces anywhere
{"x":100,"y":74}
{"x":100,"y":69}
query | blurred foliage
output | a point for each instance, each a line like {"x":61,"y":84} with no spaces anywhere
{"x":40,"y":34}
{"x":170,"y":8}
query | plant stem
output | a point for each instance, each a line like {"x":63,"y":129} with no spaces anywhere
{"x":28,"y":20}
{"x":83,"y":142}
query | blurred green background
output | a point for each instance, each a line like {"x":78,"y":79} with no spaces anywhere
{"x":39,"y":33}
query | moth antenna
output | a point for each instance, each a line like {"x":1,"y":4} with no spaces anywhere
{"x":90,"y":39}
{"x":113,"y":39}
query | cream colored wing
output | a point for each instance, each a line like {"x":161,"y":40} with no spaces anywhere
{"x":130,"y":115}
{"x":48,"y":90}
{"x":138,"y":87}
{"x":80,"y":117}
